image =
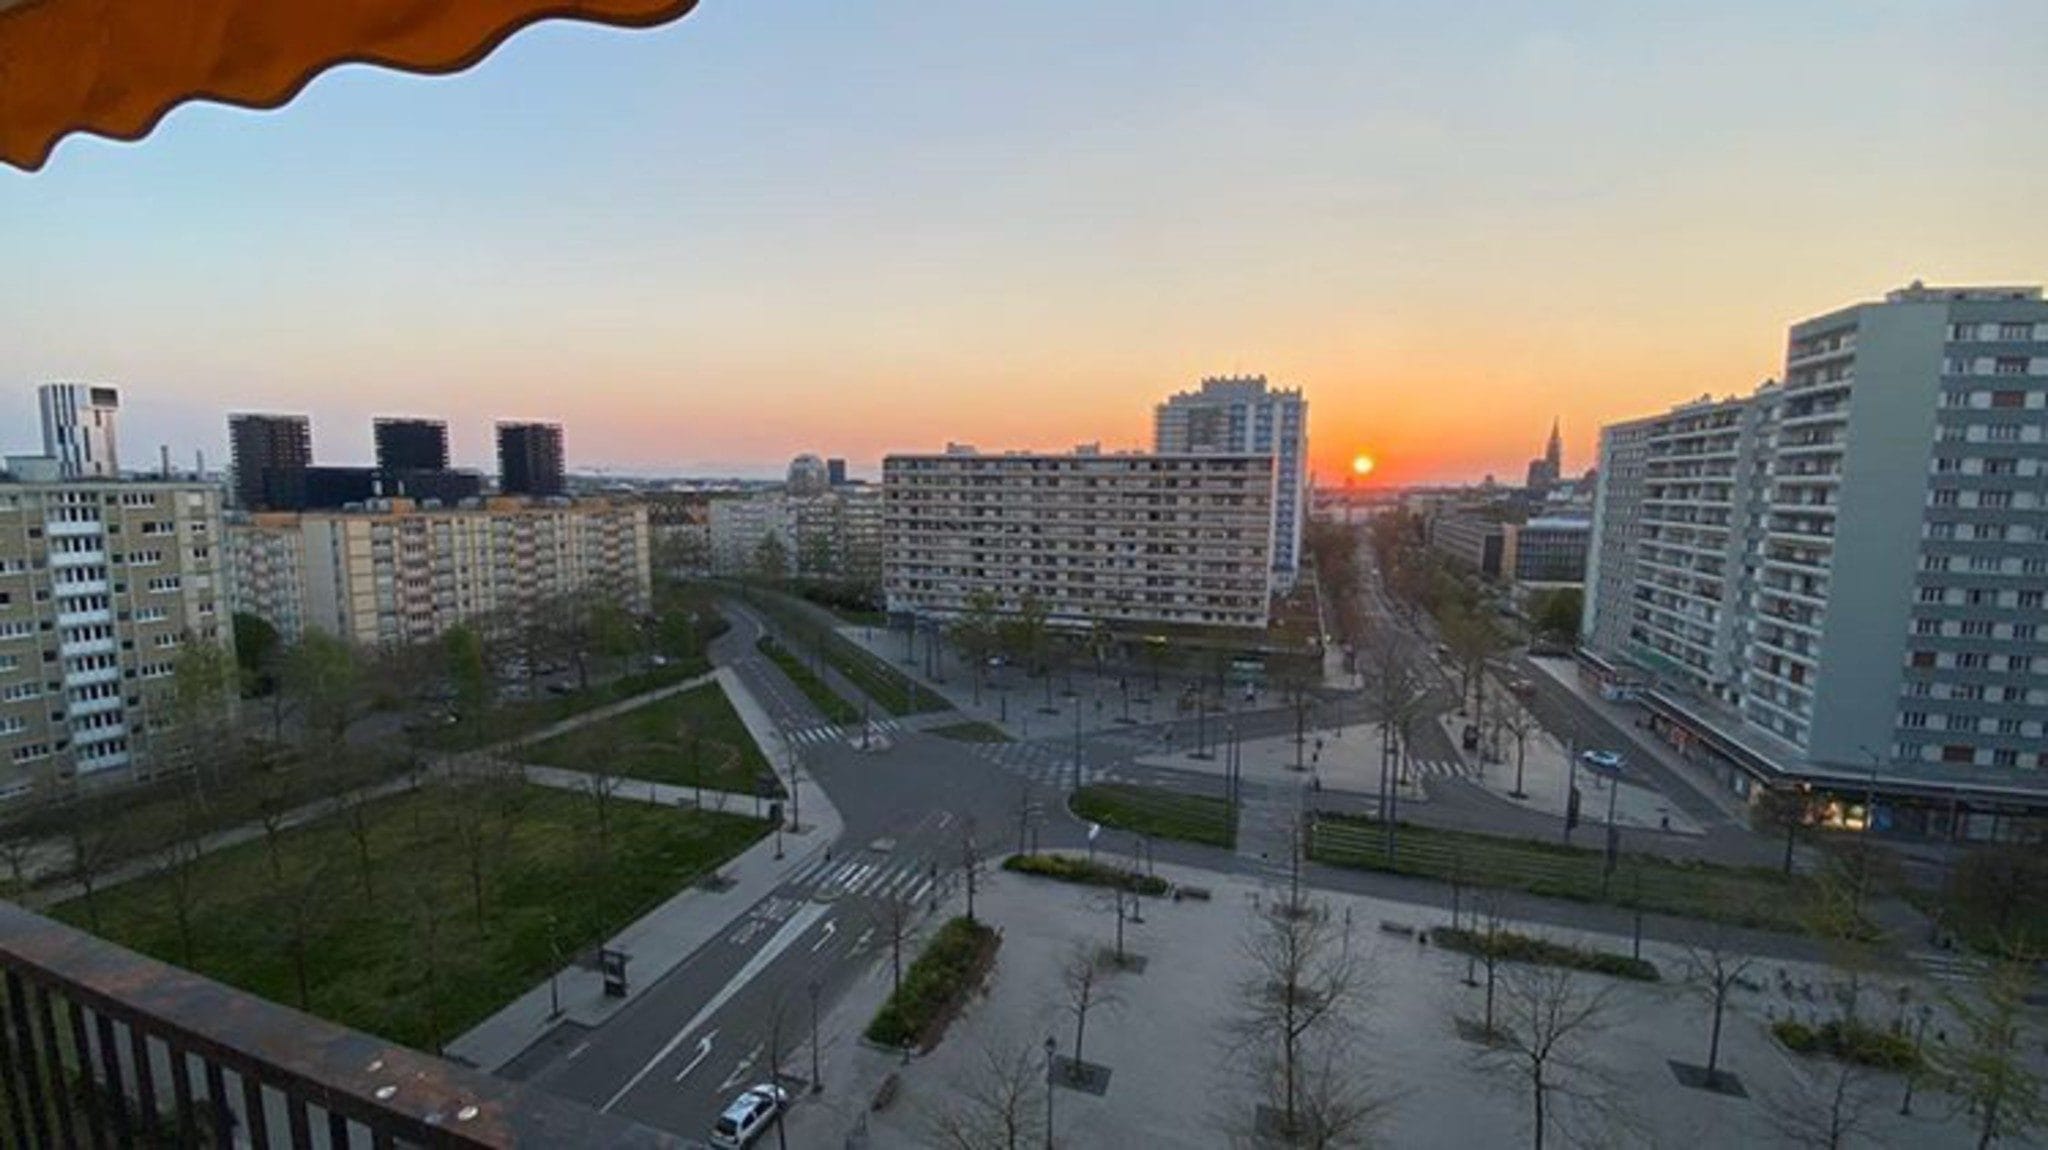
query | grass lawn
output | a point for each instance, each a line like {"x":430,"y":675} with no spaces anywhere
{"x":1746,"y":896}
{"x":1161,"y":813}
{"x":821,"y":695}
{"x":973,"y":731}
{"x":694,"y":738}
{"x":365,"y":950}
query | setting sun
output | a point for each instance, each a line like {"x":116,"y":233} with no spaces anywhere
{"x":1361,"y":464}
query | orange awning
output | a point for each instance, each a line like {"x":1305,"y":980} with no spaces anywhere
{"x":115,"y":67}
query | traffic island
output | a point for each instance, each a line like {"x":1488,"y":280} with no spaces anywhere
{"x":935,"y":986}
{"x":1067,"y":868}
{"x":1086,"y":1077}
{"x":1158,"y":813}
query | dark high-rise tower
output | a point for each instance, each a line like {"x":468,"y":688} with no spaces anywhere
{"x":530,"y":458}
{"x":411,"y":445}
{"x":269,"y":455}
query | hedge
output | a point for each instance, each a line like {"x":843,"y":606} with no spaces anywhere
{"x":935,"y":984}
{"x":1853,"y":1042}
{"x":1067,"y":868}
{"x":1509,"y":946}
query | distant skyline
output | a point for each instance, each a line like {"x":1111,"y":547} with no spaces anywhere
{"x":791,"y":225}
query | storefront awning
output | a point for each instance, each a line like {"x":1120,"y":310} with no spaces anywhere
{"x":115,"y":67}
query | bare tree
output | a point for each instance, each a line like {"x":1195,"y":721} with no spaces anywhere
{"x":995,"y":1101}
{"x":1519,"y":725}
{"x":1713,"y":968}
{"x":93,"y":838}
{"x":1303,"y":981}
{"x":1549,"y":1018}
{"x":1489,"y":923}
{"x":175,"y":867}
{"x":971,"y":862}
{"x":1830,"y":1111}
{"x":300,"y":905}
{"x":1338,"y":1105}
{"x":476,"y":832}
{"x":601,"y":786}
{"x":1081,"y":980}
{"x":895,"y":917}
{"x":273,"y":806}
{"x":1991,"y":1072}
{"x":357,"y":819}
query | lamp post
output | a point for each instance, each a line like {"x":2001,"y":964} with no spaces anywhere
{"x":554,"y":972}
{"x":1869,"y":828}
{"x":1077,"y":744}
{"x":1571,"y":787}
{"x":1052,"y":1047}
{"x":817,"y":1082}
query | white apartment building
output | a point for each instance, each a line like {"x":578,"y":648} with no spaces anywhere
{"x":396,"y":573}
{"x":1843,"y":574}
{"x":740,"y":524}
{"x":1240,"y":415}
{"x":101,"y":585}
{"x":835,"y":533}
{"x":1164,"y":539}
{"x":78,"y":429}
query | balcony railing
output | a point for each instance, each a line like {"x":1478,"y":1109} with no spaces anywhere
{"x":100,"y":1046}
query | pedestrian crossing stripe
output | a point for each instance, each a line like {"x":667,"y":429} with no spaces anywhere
{"x":908,"y":879}
{"x":833,"y":732}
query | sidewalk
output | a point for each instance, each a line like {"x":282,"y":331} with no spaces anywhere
{"x":1338,"y":759}
{"x":1627,"y":717}
{"x":1547,"y":775}
{"x":669,"y":935}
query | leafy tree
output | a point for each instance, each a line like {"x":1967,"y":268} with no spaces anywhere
{"x":1555,"y":613}
{"x":258,"y":648}
{"x":1995,"y":890}
{"x":771,"y":558}
{"x":1991,"y":1071}
{"x":322,"y":673}
{"x":202,"y":687}
{"x":462,"y":651}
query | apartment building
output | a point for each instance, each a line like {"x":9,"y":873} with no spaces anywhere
{"x":1841,"y":578}
{"x":1240,"y":415}
{"x":1547,"y":552}
{"x":269,"y":455}
{"x":395,"y":572}
{"x":741,"y":525}
{"x":530,"y":459}
{"x":1617,"y":525}
{"x":78,"y":429}
{"x":101,"y":584}
{"x":266,"y":570}
{"x":1473,"y":538}
{"x":1163,"y":539}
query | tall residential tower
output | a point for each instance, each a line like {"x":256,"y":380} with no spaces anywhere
{"x":1239,"y":415}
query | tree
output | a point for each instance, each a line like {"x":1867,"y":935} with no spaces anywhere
{"x":1489,"y":919}
{"x":258,"y":649}
{"x":94,"y":840}
{"x":462,"y":654}
{"x":1555,"y":613}
{"x":299,"y":907}
{"x":977,"y":633}
{"x":357,"y":820}
{"x":895,"y":917}
{"x":1299,"y":992}
{"x":971,"y":862}
{"x":1473,"y":640}
{"x":1713,"y":968}
{"x":1828,"y":1111}
{"x":771,"y":558}
{"x":995,"y":1102}
{"x":1994,"y":888}
{"x":1397,"y":695}
{"x":202,"y":685}
{"x":601,"y":786}
{"x":1991,"y":1072}
{"x":1519,"y":725}
{"x":1549,"y":1018}
{"x":1081,"y":980}
{"x":321,"y":673}
{"x":1780,"y":809}
{"x":176,"y":866}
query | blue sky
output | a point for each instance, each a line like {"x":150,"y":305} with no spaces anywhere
{"x":788,"y":225}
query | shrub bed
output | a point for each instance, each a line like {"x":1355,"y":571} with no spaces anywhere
{"x":1853,"y":1042}
{"x":934,"y":986}
{"x":1067,"y":868}
{"x":1509,"y":946}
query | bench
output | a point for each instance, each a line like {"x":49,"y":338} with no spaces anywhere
{"x":1199,"y":893}
{"x":1401,"y":928}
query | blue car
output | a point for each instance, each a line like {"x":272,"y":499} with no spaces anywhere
{"x":1606,"y":762}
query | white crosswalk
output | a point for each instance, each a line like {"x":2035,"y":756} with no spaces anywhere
{"x":1949,"y":966}
{"x":908,"y":879}
{"x":1441,"y":769}
{"x":1043,"y":765}
{"x":834,"y":733}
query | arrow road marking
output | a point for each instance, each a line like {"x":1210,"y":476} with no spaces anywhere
{"x":831,"y":928}
{"x":740,"y":1071}
{"x":703,"y":1052}
{"x":792,"y":930}
{"x":861,"y":943}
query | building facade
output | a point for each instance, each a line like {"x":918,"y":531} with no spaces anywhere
{"x":530,"y":459}
{"x":268,"y":457}
{"x":740,"y":527}
{"x":1472,"y":538}
{"x":266,"y":570}
{"x":1169,"y":539}
{"x":101,"y":585}
{"x":1617,"y":525}
{"x":1242,"y":416}
{"x":78,"y":429}
{"x":395,"y":573}
{"x":410,"y":445}
{"x":1546,"y":552}
{"x":1886,"y":551}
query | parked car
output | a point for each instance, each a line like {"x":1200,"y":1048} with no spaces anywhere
{"x":748,"y":1115}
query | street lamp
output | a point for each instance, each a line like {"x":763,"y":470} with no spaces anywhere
{"x":554,"y":972}
{"x":817,"y":1082}
{"x":1052,"y":1047}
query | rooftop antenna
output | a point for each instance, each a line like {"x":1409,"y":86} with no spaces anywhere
{"x":164,"y":451}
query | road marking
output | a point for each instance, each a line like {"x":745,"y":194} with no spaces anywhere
{"x":703,"y":1052}
{"x":860,"y":878}
{"x":574,"y":1054}
{"x":792,"y":930}
{"x":945,"y":819}
{"x":917,"y":892}
{"x":831,"y":928}
{"x":739,"y":1071}
{"x":861,"y":943}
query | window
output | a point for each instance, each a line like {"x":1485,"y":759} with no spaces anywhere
{"x":1913,"y":720}
{"x":1972,"y":661}
{"x":1944,"y":497}
{"x":1962,"y":332}
{"x":2012,"y":331}
{"x":20,"y":629}
{"x":2029,"y":598}
{"x":1954,"y":753}
{"x":2010,"y":365}
{"x":2019,"y":662}
{"x":1958,"y":723}
{"x":10,"y":725}
{"x":1923,"y":658}
{"x":2025,"y":632}
{"x":2005,"y":758}
{"x":20,"y":691}
{"x":1997,"y":500}
{"x":163,"y":584}
{"x":1977,"y":628}
{"x":1927,"y":626}
{"x":2002,"y":433}
{"x":2009,"y":398}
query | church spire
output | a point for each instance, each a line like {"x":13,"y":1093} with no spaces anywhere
{"x":1553,"y":452}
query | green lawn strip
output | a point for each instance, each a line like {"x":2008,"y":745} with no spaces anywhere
{"x":1158,"y":812}
{"x":889,"y":688}
{"x":407,"y":959}
{"x":1746,"y":896}
{"x":1508,"y":946}
{"x":934,"y":986}
{"x":693,"y":738}
{"x":973,"y":731}
{"x":1855,"y":1042}
{"x":821,"y":695}
{"x":515,"y":717}
{"x":1067,"y":868}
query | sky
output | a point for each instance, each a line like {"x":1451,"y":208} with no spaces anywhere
{"x":780,"y":226}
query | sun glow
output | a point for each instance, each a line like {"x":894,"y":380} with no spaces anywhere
{"x":1361,"y":464}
